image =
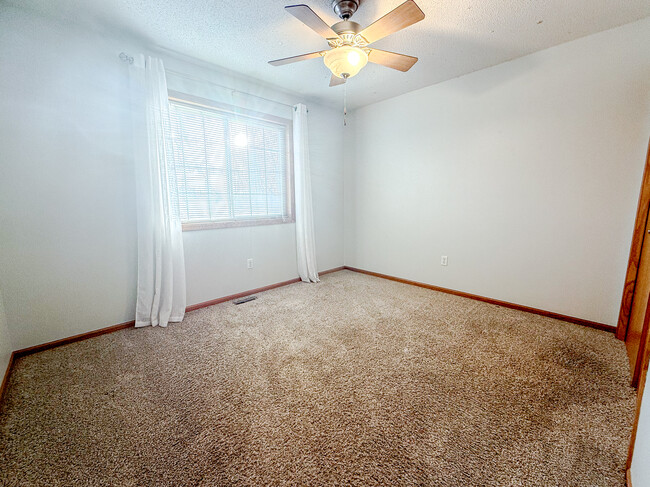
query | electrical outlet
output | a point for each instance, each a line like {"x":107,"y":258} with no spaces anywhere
{"x":443,"y":260}
{"x":249,"y":263}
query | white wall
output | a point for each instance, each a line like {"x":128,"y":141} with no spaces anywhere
{"x":67,"y":205}
{"x":526,"y":175}
{"x":640,"y":469}
{"x":6,"y":344}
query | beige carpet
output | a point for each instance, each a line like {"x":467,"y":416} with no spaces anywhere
{"x":352,"y":381}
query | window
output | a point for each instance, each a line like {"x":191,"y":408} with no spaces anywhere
{"x":232,"y":167}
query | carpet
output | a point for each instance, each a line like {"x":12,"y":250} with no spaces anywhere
{"x":355,"y":380}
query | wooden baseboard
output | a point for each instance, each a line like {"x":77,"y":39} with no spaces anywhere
{"x":128,"y":324}
{"x":5,"y":379}
{"x":212,"y":302}
{"x":75,"y":338}
{"x":628,"y":478}
{"x":329,"y":271}
{"x":102,"y":331}
{"x":505,"y":304}
{"x":110,"y":329}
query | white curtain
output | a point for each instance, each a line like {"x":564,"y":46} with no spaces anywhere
{"x":161,"y":266}
{"x":305,"y":243}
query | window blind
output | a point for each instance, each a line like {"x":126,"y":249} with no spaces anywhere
{"x":228,"y":166}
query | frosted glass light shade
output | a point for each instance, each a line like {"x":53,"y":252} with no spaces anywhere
{"x":345,"y":60}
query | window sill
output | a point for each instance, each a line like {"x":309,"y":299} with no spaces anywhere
{"x":210,"y":225}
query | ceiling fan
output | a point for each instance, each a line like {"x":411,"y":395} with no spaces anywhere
{"x":349,"y":42}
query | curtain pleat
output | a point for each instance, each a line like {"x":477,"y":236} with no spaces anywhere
{"x":305,"y":242}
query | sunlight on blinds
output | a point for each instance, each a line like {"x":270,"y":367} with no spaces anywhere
{"x":228,"y":167}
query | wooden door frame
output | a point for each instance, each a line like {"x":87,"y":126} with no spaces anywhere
{"x":644,"y":360}
{"x":635,"y":252}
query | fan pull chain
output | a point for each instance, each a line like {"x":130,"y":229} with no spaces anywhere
{"x":345,"y":104}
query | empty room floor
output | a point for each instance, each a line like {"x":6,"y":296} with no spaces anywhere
{"x":355,"y":380}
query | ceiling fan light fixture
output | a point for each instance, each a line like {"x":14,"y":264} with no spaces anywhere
{"x":349,"y":42}
{"x":345,"y":61}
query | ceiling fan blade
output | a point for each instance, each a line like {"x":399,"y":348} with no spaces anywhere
{"x":335,"y":81}
{"x":406,"y":14}
{"x":295,"y":59}
{"x":308,"y":17}
{"x":400,"y":62}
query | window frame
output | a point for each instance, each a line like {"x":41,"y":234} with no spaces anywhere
{"x":290,"y":203}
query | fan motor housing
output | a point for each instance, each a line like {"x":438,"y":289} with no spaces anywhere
{"x":346,"y":27}
{"x":345,"y":8}
{"x":347,"y":35}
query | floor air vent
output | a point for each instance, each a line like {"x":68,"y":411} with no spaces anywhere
{"x":243,"y":300}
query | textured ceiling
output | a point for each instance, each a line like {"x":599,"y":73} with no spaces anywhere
{"x":456,"y":37}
